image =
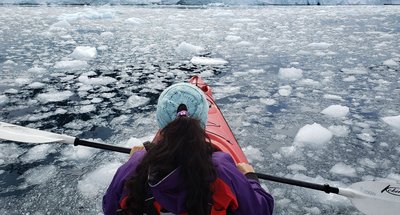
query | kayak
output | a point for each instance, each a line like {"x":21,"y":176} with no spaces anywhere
{"x":217,"y":128}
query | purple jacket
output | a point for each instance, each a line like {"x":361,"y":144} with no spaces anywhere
{"x":251,"y":197}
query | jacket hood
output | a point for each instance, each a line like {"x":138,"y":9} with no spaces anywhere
{"x":169,"y":191}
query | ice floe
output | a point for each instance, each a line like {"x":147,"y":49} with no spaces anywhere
{"x":336,"y":111}
{"x":313,"y":135}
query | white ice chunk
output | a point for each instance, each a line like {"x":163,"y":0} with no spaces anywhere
{"x":107,"y":35}
{"x":253,"y":154}
{"x":232,"y":38}
{"x":134,"y":20}
{"x":344,"y":170}
{"x":296,"y":167}
{"x":23,"y":81}
{"x":84,"y":53}
{"x":208,"y":61}
{"x":350,"y":79}
{"x":333,"y":97}
{"x":77,"y":153}
{"x":367,"y":137}
{"x":267,"y":101}
{"x":3,"y":99}
{"x":96,"y":182}
{"x":39,"y":175}
{"x":87,"y":108}
{"x":368,"y":163}
{"x":36,"y":85}
{"x":290,"y":73}
{"x":393,"y":121}
{"x":313,"y":135}
{"x":71,"y":65}
{"x":285,"y":90}
{"x":54,"y":96}
{"x":60,"y":25}
{"x":38,"y":152}
{"x":96,"y":81}
{"x":37,"y":70}
{"x":391,"y":63}
{"x":336,"y":111}
{"x":321,"y":45}
{"x":189,"y":49}
{"x":136,"y":101}
{"x":340,"y":130}
{"x":355,"y":71}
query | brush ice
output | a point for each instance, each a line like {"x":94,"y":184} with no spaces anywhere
{"x":391,"y":63}
{"x":77,"y":153}
{"x":339,"y":130}
{"x":84,"y":53}
{"x":87,"y":108}
{"x":71,"y":65}
{"x":253,"y":154}
{"x":290,"y":73}
{"x":39,"y":175}
{"x":95,"y":183}
{"x":343,"y":169}
{"x":285,"y":90}
{"x":355,"y":71}
{"x":296,"y":167}
{"x":36,"y":85}
{"x":136,"y":101}
{"x":313,"y":135}
{"x":38,"y":152}
{"x":3,"y":99}
{"x":96,"y":81}
{"x":208,"y":61}
{"x":187,"y":49}
{"x":393,"y":121}
{"x":54,"y":96}
{"x":336,"y":111}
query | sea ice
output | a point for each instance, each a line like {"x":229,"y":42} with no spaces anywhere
{"x":336,"y":111}
{"x":136,"y":101}
{"x":267,"y":101}
{"x":96,"y":81}
{"x":285,"y":90}
{"x":343,"y":169}
{"x":355,"y":71}
{"x":55,"y":96}
{"x":391,"y":63}
{"x":296,"y":167}
{"x":36,"y":153}
{"x":290,"y":73}
{"x":77,"y":153}
{"x":253,"y":154}
{"x":95,"y":183}
{"x":208,"y":61}
{"x":393,"y":121}
{"x":189,"y":49}
{"x":87,"y":108}
{"x":3,"y":99}
{"x":36,"y":85}
{"x":39,"y":175}
{"x":339,"y":130}
{"x":313,"y":135}
{"x":84,"y":53}
{"x":71,"y":65}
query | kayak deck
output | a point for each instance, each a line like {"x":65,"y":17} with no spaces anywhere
{"x":217,"y":128}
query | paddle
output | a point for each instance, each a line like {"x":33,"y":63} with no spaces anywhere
{"x":29,"y":135}
{"x":369,"y":197}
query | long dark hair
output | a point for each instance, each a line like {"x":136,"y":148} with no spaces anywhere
{"x":183,"y":144}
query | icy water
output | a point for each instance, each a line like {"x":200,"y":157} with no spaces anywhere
{"x":276,"y":72}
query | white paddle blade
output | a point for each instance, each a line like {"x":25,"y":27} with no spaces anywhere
{"x":29,"y":135}
{"x":374,"y":198}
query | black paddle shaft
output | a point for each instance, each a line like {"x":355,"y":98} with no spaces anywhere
{"x":79,"y":142}
{"x":326,"y":188}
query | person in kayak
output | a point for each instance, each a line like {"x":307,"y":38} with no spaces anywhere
{"x":180,"y":172}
